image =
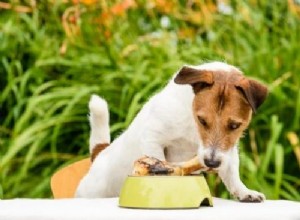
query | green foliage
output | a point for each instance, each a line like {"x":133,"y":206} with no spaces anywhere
{"x":53,"y":58}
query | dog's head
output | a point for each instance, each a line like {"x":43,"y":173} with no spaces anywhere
{"x":223,"y":105}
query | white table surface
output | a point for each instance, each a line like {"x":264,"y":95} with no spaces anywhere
{"x":90,"y":209}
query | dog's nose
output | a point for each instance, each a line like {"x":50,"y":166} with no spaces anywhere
{"x":212,"y":163}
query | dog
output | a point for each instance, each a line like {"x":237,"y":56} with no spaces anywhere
{"x":202,"y":111}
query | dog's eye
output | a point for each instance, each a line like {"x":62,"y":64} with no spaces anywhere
{"x":202,"y":121}
{"x":234,"y":125}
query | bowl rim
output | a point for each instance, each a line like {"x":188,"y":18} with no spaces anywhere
{"x":166,"y":176}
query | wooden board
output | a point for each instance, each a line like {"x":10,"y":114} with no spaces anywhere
{"x":65,"y":181}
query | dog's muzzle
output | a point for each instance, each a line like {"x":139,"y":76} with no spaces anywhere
{"x":212,"y":163}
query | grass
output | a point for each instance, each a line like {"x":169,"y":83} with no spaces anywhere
{"x":54,"y":57}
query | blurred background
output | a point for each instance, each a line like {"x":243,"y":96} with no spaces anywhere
{"x":55,"y":53}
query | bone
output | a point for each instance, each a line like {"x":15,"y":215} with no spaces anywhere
{"x":149,"y":166}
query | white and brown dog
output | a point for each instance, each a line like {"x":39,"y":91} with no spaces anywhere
{"x":203,"y":110}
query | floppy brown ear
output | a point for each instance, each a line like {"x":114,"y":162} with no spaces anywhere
{"x":253,"y":91}
{"x":198,"y":79}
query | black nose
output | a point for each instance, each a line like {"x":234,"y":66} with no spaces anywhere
{"x":212,"y":163}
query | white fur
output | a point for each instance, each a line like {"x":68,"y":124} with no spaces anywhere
{"x":99,"y":121}
{"x":229,"y":173}
{"x":215,"y":66}
{"x":165,"y":121}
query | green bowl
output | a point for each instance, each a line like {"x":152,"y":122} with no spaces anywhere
{"x":165,"y":192}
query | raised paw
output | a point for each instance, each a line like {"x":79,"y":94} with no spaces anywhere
{"x":251,"y":196}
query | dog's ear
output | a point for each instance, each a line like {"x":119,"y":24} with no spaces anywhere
{"x":254,"y":92}
{"x":198,"y":79}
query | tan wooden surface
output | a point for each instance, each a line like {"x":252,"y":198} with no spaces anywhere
{"x":65,"y":181}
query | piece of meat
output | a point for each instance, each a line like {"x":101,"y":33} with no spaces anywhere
{"x":146,"y":166}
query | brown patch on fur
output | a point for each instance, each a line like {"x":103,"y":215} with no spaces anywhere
{"x":254,"y":92}
{"x":223,"y":104}
{"x":97,"y":149}
{"x":223,"y":107}
{"x":221,"y":99}
{"x":199,"y":79}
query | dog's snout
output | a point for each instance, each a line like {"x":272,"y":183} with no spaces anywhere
{"x":212,"y":163}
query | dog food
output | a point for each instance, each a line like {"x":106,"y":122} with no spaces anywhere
{"x":147,"y":166}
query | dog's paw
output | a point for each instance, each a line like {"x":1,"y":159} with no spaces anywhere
{"x":251,"y":196}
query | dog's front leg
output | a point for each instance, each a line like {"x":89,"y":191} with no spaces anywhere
{"x":231,"y":178}
{"x":153,"y":149}
{"x":152,"y":144}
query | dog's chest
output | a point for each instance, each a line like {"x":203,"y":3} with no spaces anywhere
{"x":183,"y":144}
{"x":180,"y":150}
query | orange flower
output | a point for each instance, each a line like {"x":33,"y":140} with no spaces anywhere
{"x":86,"y":2}
{"x":118,"y":9}
{"x":164,"y":6}
{"x":122,"y":7}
